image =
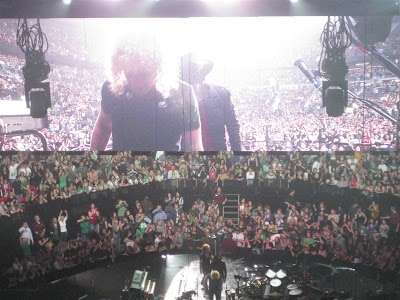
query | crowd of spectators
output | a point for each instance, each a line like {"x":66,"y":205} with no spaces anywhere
{"x":286,"y":112}
{"x":363,"y":232}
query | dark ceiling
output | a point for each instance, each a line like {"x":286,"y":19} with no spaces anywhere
{"x":193,"y":8}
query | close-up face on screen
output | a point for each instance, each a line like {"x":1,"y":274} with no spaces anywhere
{"x":212,"y":84}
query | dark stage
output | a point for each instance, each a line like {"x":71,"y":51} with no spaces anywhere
{"x":176,"y":274}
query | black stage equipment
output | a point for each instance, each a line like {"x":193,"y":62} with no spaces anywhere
{"x":33,"y":43}
{"x":335,"y":39}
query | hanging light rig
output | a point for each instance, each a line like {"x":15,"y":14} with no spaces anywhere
{"x":33,"y":43}
{"x":335,"y":39}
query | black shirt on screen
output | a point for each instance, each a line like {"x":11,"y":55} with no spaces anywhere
{"x":150,"y":122}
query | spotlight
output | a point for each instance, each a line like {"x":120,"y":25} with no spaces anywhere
{"x":334,"y":97}
{"x":294,"y":1}
{"x":66,"y":2}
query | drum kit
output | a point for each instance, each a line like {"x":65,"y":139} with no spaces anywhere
{"x":266,"y":282}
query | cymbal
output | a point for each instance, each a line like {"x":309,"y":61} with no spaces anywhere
{"x":295,"y":292}
{"x":275,"y":294}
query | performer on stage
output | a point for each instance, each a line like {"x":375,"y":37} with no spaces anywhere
{"x":219,"y":265}
{"x":215,"y":106}
{"x":213,"y":285}
{"x":205,"y":261}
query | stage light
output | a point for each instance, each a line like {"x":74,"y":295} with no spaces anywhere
{"x":66,"y":2}
{"x":334,"y":98}
{"x":334,"y":67}
{"x":294,"y":1}
{"x":36,"y":68}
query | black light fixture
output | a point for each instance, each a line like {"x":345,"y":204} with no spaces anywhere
{"x":334,"y":98}
{"x":33,"y":42}
{"x":335,"y":39}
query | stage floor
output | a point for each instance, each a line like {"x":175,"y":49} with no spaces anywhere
{"x":180,"y":273}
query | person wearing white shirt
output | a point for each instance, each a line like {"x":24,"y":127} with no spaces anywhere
{"x":112,"y":183}
{"x":59,"y":264}
{"x":62,"y":220}
{"x":316,"y":165}
{"x":238,"y":237}
{"x":352,"y":161}
{"x":383,"y":167}
{"x":250,"y":175}
{"x":173,"y":173}
{"x":25,"y":169}
{"x":26,"y":233}
{"x":178,"y":199}
{"x":13,"y":168}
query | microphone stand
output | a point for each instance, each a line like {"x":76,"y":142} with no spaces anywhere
{"x":375,"y":107}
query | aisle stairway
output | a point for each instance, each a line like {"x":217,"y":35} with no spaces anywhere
{"x":230,"y":210}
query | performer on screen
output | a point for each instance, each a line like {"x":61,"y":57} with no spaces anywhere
{"x":205,"y":261}
{"x":215,"y":105}
{"x":143,"y":106}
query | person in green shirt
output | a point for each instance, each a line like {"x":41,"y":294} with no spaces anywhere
{"x":393,"y":165}
{"x":373,"y":169}
{"x":307,"y":242}
{"x":84,"y":224}
{"x":83,"y":188}
{"x":25,"y":182}
{"x":26,"y":248}
{"x":121,"y":207}
{"x":63,"y":180}
{"x":140,"y":231}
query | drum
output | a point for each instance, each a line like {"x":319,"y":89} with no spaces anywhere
{"x":276,"y":282}
{"x":295,"y":292}
{"x":281,"y":274}
{"x":292,"y":286}
{"x":271,"y":274}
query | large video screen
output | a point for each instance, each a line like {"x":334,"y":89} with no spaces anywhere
{"x":207,"y":84}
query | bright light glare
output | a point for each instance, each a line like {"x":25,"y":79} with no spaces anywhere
{"x":294,"y":1}
{"x":67,"y":2}
{"x":220,"y":1}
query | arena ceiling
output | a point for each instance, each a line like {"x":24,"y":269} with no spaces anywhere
{"x":193,"y":8}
